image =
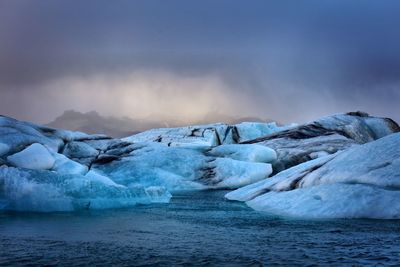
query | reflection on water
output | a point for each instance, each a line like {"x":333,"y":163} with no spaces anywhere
{"x":198,"y":228}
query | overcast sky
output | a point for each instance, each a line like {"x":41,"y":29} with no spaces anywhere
{"x":292,"y":61}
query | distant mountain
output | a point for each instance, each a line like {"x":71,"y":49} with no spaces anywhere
{"x":92,"y":122}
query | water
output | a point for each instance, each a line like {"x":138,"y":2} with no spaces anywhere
{"x":196,"y":228}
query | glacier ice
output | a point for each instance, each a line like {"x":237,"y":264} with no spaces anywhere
{"x":324,"y":136}
{"x":19,"y":192}
{"x":17,"y":135}
{"x":4,"y":148}
{"x":207,"y":135}
{"x":46,"y":191}
{"x":307,"y":161}
{"x":337,"y":200}
{"x":286,"y":177}
{"x":230,"y":173}
{"x":252,"y":153}
{"x":80,"y":152}
{"x":181,"y":168}
{"x":93,"y":175}
{"x":192,"y":136}
{"x":252,"y":130}
{"x":360,"y":182}
{"x":64,"y":165}
{"x":154,"y":164}
{"x":35,"y":157}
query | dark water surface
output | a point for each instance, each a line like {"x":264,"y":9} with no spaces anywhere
{"x":196,"y":228}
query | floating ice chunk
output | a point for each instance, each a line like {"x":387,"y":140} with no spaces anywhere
{"x":252,"y":153}
{"x":231,"y":173}
{"x":375,"y":163}
{"x":35,"y":157}
{"x":95,"y":194}
{"x":331,"y":201}
{"x":278,"y":181}
{"x":46,"y":191}
{"x":360,"y":182}
{"x":20,"y":192}
{"x":64,"y":165}
{"x":4,"y":148}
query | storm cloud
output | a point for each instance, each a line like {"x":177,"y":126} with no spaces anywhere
{"x":285,"y":60}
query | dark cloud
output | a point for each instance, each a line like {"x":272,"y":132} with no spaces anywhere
{"x":290,"y":60}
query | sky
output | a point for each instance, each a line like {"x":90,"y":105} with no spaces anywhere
{"x":290,"y":61}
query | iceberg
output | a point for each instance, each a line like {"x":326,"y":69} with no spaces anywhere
{"x":46,"y":191}
{"x":337,"y":200}
{"x":360,"y":182}
{"x":327,"y":135}
{"x":181,"y":168}
{"x":46,"y":169}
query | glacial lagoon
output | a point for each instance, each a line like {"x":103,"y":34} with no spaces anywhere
{"x":195,"y":228}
